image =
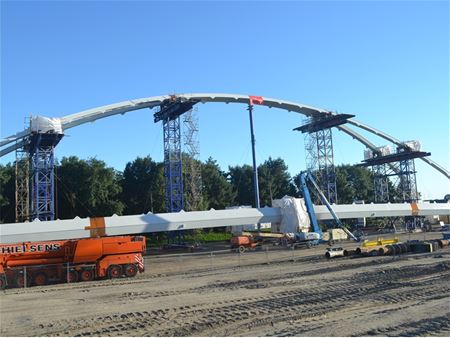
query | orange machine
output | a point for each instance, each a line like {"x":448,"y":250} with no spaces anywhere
{"x":243,"y":243}
{"x":38,"y":263}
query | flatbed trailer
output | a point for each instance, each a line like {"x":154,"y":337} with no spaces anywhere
{"x":40,"y":263}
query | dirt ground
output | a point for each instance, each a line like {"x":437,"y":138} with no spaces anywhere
{"x":267,"y":293}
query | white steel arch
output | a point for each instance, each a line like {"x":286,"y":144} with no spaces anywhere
{"x":94,"y":114}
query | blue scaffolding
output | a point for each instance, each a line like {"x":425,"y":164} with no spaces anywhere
{"x":173,"y":167}
{"x":169,"y":113}
{"x":41,"y":154}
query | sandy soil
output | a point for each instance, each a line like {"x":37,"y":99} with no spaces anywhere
{"x":266,"y":293}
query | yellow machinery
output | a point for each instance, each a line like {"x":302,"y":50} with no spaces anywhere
{"x":379,"y":242}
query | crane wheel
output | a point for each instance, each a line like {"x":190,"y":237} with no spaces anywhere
{"x":20,"y":281}
{"x":2,"y":283}
{"x":40,"y":279}
{"x":114,"y":271}
{"x":87,"y":275}
{"x":72,"y":276}
{"x":130,"y":270}
{"x":242,"y":249}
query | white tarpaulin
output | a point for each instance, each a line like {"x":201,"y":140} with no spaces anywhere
{"x":41,"y":124}
{"x":294,"y":217}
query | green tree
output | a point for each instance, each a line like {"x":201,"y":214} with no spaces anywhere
{"x":193,"y":196}
{"x":87,"y":188}
{"x":143,"y":186}
{"x":217,"y":191}
{"x":274,"y":181}
{"x":241,"y":179}
{"x":354,"y":183}
{"x":7,"y":193}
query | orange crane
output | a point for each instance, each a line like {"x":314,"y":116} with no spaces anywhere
{"x":73,"y":260}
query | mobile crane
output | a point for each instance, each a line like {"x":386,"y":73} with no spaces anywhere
{"x":304,"y":176}
{"x":73,"y":260}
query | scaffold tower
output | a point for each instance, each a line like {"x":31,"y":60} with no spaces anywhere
{"x":400,"y":167}
{"x":22,"y":185}
{"x":41,"y":153}
{"x":319,"y":151}
{"x":408,"y":180}
{"x":173,"y":167}
{"x":381,"y":183}
{"x":169,"y":113}
{"x":320,"y":161}
{"x":193,"y":177}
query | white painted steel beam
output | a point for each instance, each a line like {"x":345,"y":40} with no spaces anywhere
{"x":382,"y":210}
{"x":136,"y":224}
{"x":94,"y":114}
{"x":148,"y":223}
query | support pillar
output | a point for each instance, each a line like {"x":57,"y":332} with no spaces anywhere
{"x":22,"y":185}
{"x":255,"y":168}
{"x":380,"y":183}
{"x":42,"y":180}
{"x":173,"y":174}
{"x":320,"y":161}
{"x":193,"y":175}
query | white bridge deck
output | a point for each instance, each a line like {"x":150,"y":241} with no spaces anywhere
{"x":148,"y":223}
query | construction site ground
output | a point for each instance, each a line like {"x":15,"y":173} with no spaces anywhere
{"x":271,"y":292}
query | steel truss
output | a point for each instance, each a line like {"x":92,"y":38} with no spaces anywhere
{"x":381,"y":183}
{"x":193,"y":177}
{"x":320,"y":162}
{"x":41,"y":152}
{"x":173,"y":169}
{"x":403,"y":175}
{"x":22,"y":185}
{"x":42,"y":183}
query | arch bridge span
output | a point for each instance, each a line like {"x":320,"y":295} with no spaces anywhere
{"x":94,"y":114}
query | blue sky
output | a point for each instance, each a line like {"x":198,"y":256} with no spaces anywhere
{"x":385,"y":62}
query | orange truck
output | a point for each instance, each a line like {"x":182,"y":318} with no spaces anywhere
{"x":73,"y":260}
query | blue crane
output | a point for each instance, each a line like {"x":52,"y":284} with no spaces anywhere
{"x":304,"y":176}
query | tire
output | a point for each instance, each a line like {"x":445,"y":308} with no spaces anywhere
{"x":20,"y":281}
{"x":87,"y":275}
{"x":114,"y":271}
{"x":242,"y":249}
{"x":3,"y":283}
{"x":130,"y":270}
{"x":40,"y":279}
{"x":309,"y":245}
{"x":327,"y":255}
{"x":73,"y":276}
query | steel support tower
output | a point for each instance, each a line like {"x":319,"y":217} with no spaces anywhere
{"x":407,"y":180}
{"x":319,"y":151}
{"x":381,"y":183}
{"x":169,"y":113}
{"x":320,"y":161}
{"x":173,"y":167}
{"x":399,"y":166}
{"x":193,"y":175}
{"x":41,"y":153}
{"x":22,"y":185}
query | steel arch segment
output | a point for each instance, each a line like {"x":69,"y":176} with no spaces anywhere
{"x":94,"y":114}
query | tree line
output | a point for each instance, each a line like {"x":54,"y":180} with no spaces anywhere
{"x":88,"y":188}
